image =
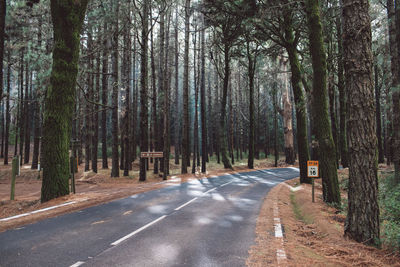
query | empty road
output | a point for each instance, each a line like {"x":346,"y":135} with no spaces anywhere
{"x":208,"y":222}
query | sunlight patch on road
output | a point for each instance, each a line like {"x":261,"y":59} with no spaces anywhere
{"x":157,"y":209}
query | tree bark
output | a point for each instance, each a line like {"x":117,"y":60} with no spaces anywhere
{"x":203,"y":100}
{"x":299,"y":99}
{"x":114,"y":98}
{"x":104,"y":99}
{"x":396,"y":103}
{"x":185,"y":101}
{"x":67,"y":20}
{"x":343,"y":149}
{"x":144,"y":90}
{"x":7,"y":133}
{"x":362,"y":222}
{"x":326,"y":146}
{"x":381,"y":155}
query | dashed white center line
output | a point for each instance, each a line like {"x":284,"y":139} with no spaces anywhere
{"x":226,"y":184}
{"x":209,"y":190}
{"x":78,"y":263}
{"x":187,"y":203}
{"x":137,"y":231}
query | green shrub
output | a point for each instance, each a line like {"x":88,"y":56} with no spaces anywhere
{"x":390,"y":211}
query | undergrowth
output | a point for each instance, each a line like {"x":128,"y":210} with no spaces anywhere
{"x":299,"y":214}
{"x":390,"y":211}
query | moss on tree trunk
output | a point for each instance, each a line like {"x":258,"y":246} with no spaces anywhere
{"x":327,"y":155}
{"x":67,"y":17}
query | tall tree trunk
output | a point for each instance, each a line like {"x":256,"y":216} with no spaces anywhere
{"x":286,"y":113}
{"x":223,"y":136}
{"x":344,"y":158}
{"x":167,"y":78}
{"x":203,"y":100}
{"x":127,"y":87}
{"x":95,"y":138}
{"x":362,"y":222}
{"x":27,"y":120}
{"x":7,"y":133}
{"x":144,"y":90}
{"x":196,"y":101}
{"x":88,"y":105}
{"x":275,"y":103}
{"x":326,"y":146}
{"x":104,"y":99}
{"x":381,"y":155}
{"x":251,"y":61}
{"x":299,"y":98}
{"x":185,"y":101}
{"x":394,"y":70}
{"x":21,"y":109}
{"x":177,"y":107}
{"x":3,"y":7}
{"x":396,"y":103}
{"x":67,"y":20}
{"x":115,"y":91}
{"x":153,"y":124}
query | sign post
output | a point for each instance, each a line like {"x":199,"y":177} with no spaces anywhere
{"x":312,"y":172}
{"x":149,"y":154}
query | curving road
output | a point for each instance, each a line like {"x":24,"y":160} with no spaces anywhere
{"x":209,"y":222}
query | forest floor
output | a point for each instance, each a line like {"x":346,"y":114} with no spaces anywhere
{"x":312,"y":232}
{"x":93,"y":189}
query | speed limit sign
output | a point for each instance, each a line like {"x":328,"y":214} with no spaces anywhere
{"x":312,"y":168}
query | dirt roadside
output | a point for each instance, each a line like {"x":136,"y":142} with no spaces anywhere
{"x":312,"y":233}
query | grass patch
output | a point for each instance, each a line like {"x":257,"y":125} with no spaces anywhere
{"x":299,"y":214}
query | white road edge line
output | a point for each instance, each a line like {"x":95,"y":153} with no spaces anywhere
{"x":137,"y":231}
{"x":187,"y":203}
{"x":210,"y":190}
{"x":78,"y":263}
{"x":280,"y":252}
{"x":226,"y":184}
{"x":36,"y":211}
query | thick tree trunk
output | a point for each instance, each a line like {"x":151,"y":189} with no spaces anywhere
{"x":144,"y":90}
{"x":326,"y":146}
{"x":185,"y":101}
{"x":362,"y":222}
{"x":67,"y":20}
{"x":114,"y":98}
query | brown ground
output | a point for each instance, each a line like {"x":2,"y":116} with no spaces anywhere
{"x":312,"y":238}
{"x":91,"y":188}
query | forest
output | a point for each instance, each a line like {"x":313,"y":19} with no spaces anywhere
{"x":96,"y":83}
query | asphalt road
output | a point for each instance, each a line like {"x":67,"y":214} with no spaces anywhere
{"x":210,"y":222}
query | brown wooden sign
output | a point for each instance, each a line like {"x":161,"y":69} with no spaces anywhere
{"x":151,"y":154}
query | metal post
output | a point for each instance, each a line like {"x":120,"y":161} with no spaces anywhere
{"x":312,"y":179}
